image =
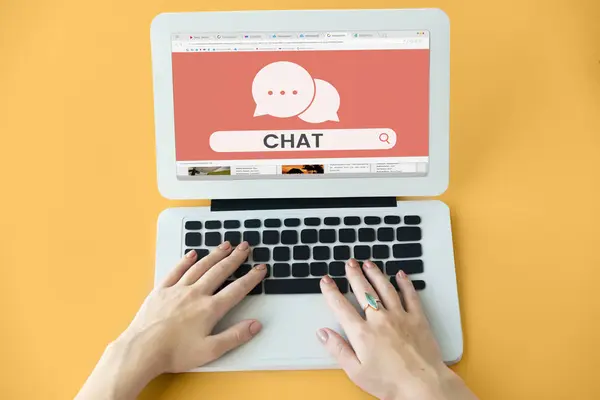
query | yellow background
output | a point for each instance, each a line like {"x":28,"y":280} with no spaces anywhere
{"x":79,"y":198}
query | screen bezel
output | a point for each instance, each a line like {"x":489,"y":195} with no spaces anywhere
{"x":433,"y":20}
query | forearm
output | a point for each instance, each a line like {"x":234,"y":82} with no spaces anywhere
{"x":452,"y":387}
{"x":121,"y":374}
{"x":443,"y":384}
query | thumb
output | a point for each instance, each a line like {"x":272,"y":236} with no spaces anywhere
{"x":339,"y":349}
{"x":233,"y":337}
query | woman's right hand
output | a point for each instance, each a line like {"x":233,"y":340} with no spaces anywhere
{"x":392,"y":352}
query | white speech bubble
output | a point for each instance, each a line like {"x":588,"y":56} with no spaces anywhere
{"x":325,"y":104}
{"x":282,"y":89}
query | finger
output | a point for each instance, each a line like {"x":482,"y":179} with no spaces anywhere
{"x":176,"y":273}
{"x":233,"y":293}
{"x":412,"y":303}
{"x":339,"y":349}
{"x":386,"y":291}
{"x":233,"y":337}
{"x":200,"y":268}
{"x":216,"y":275}
{"x":344,"y":312}
{"x":360,"y":284}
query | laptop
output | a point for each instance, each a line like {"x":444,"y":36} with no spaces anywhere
{"x":302,"y":127}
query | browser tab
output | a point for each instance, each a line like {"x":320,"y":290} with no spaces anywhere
{"x":229,"y":36}
{"x":255,"y":36}
{"x":337,"y":34}
{"x":365,"y":35}
{"x":285,"y":35}
{"x":312,"y":35}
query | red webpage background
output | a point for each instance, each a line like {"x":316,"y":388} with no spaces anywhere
{"x":378,"y":89}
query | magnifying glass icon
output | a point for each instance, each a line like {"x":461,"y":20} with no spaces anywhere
{"x":384,"y":137}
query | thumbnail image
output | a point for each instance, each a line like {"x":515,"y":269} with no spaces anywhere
{"x":302,"y":169}
{"x":194,"y":171}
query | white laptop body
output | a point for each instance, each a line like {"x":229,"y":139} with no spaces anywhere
{"x":307,"y":121}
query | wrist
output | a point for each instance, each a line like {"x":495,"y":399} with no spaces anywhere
{"x":438,"y":384}
{"x":122,"y":372}
{"x":131,"y":366}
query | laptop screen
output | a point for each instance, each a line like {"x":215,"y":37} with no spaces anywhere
{"x":294,"y":105}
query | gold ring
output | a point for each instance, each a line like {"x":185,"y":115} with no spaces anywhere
{"x":372,"y":302}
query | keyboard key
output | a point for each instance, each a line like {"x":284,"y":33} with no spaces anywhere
{"x":392,"y":220}
{"x":193,"y":239}
{"x":281,"y":254}
{"x":258,"y":289}
{"x":300,"y":270}
{"x":408,"y":233}
{"x":381,"y":251}
{"x":362,"y":252}
{"x":410,"y":250}
{"x":309,"y":236}
{"x":281,"y":270}
{"x":366,"y":235}
{"x":417,"y":284}
{"x":231,"y":224}
{"x":201,"y":253}
{"x":234,"y":238}
{"x":312,"y":221}
{"x":291,"y":222}
{"x":372,"y":220}
{"x":347,"y":235}
{"x":321,"y":253}
{"x":252,"y":237}
{"x":341,"y":253}
{"x":289,"y":237}
{"x":193,"y":225}
{"x":301,"y":252}
{"x":385,"y":234}
{"x":272,"y":223}
{"x":268,"y":274}
{"x":379,"y":265}
{"x":299,"y":286}
{"x":252,"y":223}
{"x":261,"y":254}
{"x":271,"y":237}
{"x":408,"y":266}
{"x":213,"y":224}
{"x":327,"y":236}
{"x":332,"y":221}
{"x":318,"y":268}
{"x":213,"y":239}
{"x":242,"y":270}
{"x":337,"y":268}
{"x":412,"y":220}
{"x":351,"y":221}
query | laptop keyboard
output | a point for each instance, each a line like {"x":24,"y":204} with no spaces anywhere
{"x":299,"y":251}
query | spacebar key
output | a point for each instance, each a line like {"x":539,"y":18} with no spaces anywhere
{"x":298,"y":286}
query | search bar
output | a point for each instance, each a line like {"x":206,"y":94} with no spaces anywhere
{"x":303,"y":140}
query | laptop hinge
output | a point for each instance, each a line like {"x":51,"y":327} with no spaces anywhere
{"x":300,"y":203}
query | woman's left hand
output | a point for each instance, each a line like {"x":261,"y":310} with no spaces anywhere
{"x":172,"y":330}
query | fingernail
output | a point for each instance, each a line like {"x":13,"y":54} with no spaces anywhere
{"x":255,"y":327}
{"x":191,"y":254}
{"x":401,"y":274}
{"x":243,"y":246}
{"x":352,"y":263}
{"x":322,"y":335}
{"x":261,"y":267}
{"x":327,"y":279}
{"x":368,"y":264}
{"x":225,"y":245}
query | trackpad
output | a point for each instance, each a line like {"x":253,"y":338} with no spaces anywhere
{"x":288,"y":338}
